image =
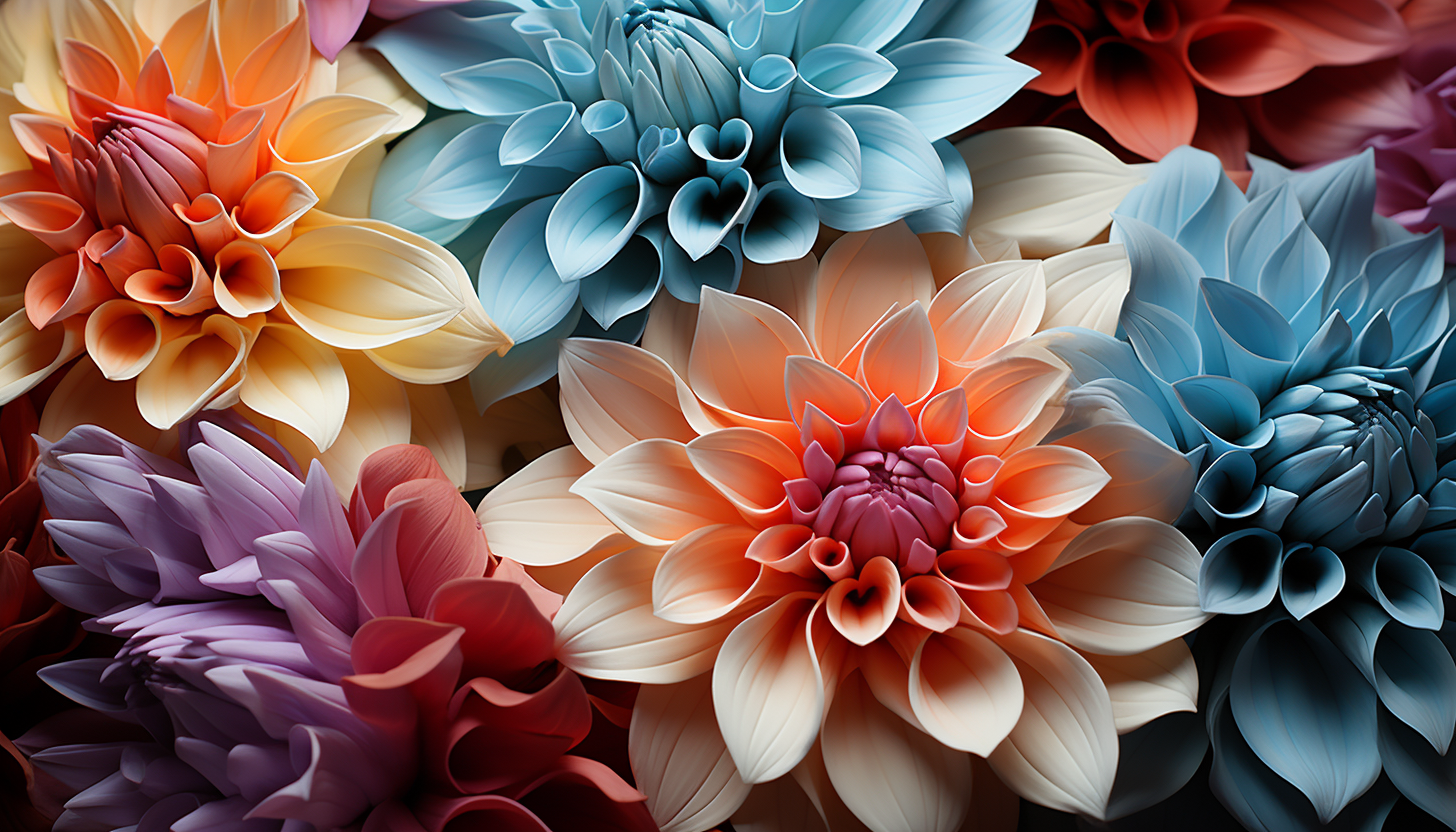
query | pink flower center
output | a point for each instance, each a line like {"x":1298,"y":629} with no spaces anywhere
{"x":898,"y":504}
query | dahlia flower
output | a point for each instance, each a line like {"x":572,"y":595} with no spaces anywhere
{"x":828,"y":502}
{"x":1156,"y":74}
{"x":1297,"y":348}
{"x":1402,"y":108}
{"x":264,"y":624}
{"x":162,"y":215}
{"x":613,"y":148}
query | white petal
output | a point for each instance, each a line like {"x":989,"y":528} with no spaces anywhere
{"x":605,"y":627}
{"x":1123,"y":586}
{"x":679,"y":759}
{"x":651,"y":492}
{"x":892,"y":776}
{"x":768,"y":689}
{"x":1062,"y":754}
{"x":1085,"y":287}
{"x":965,"y":690}
{"x":1147,"y":685}
{"x":614,"y":394}
{"x":534,"y":519}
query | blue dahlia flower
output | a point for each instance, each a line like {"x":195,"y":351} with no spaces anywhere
{"x":1298,"y":349}
{"x":608,"y":149}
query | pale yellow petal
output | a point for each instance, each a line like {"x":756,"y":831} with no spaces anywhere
{"x":614,"y":394}
{"x":193,"y":371}
{"x":1145,"y":686}
{"x":298,"y":381}
{"x":28,"y":355}
{"x":535,"y":519}
{"x":365,"y":73}
{"x":1085,"y":287}
{"x":435,"y":424}
{"x":317,"y":141}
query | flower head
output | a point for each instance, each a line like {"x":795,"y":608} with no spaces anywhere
{"x":1156,"y":74}
{"x":1296,"y":348}
{"x":658,"y":144}
{"x":260,"y":618}
{"x":165,"y":216}
{"x":840,"y":509}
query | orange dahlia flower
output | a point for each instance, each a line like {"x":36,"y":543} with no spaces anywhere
{"x":829,"y":521}
{"x":167,"y":164}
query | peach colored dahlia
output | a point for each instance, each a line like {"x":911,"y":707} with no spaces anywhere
{"x":832,"y":538}
{"x":161,"y":214}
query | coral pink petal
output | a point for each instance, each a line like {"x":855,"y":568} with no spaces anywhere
{"x":1140,"y":94}
{"x":785,"y":548}
{"x":1149,"y":20}
{"x":1334,"y":31}
{"x":439,"y":539}
{"x":705,"y":575}
{"x":381,"y":472}
{"x":974,"y":570}
{"x":811,"y":381}
{"x":506,"y":636}
{"x":1239,"y":55}
{"x":1222,"y":130}
{"x":489,"y":811}
{"x":863,"y":608}
{"x":900,"y":358}
{"x":499,"y":736}
{"x":930,"y":602}
{"x":66,"y":286}
{"x":749,"y":468}
{"x":578,"y":793}
{"x":738,"y":345}
{"x":1058,"y":51}
{"x":56,"y":220}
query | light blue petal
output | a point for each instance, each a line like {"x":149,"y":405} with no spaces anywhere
{"x":518,"y":286}
{"x":1404,"y":585}
{"x":1093,"y":355}
{"x":665,"y":156}
{"x":945,"y":85}
{"x":1243,"y":337}
{"x":425,"y":46}
{"x":780,"y":25}
{"x":703,"y":211}
{"x":1439,"y":550}
{"x":1164,"y":342}
{"x":1156,"y":760}
{"x":1163,"y":272}
{"x":1414,"y":676}
{"x":764,"y":90}
{"x":900,"y":172}
{"x":557,"y":20}
{"x":575,"y":70}
{"x":1323,"y":352}
{"x":611,"y":125}
{"x":1229,"y":490}
{"x":1375,"y":343}
{"x":1309,"y":578}
{"x":1338,"y":201}
{"x":400,"y":175}
{"x":525,"y":365}
{"x":1354,"y":626}
{"x":1267,"y":175}
{"x":1272,"y":252}
{"x":820,"y":154}
{"x":782,"y":227}
{"x":1417,"y":322}
{"x":551,"y":136}
{"x":1240,"y":572}
{"x":1307,"y":713}
{"x":466,"y":178}
{"x":722,"y":149}
{"x":1424,"y":777}
{"x":683,"y":278}
{"x":840,"y":71}
{"x":1226,"y":410}
{"x":951,"y":217}
{"x":503,"y":87}
{"x":596,"y":216}
{"x":469,"y":248}
{"x":745,"y":34}
{"x":1263,"y":802}
{"x":1331,"y":505}
{"x":1405,"y":268}
{"x":1188,"y":198}
{"x":623,"y":286}
{"x":867,"y":23}
{"x":998,"y":25}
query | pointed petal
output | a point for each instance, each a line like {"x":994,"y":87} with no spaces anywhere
{"x":965,"y":690}
{"x":651,"y":492}
{"x":533,"y":518}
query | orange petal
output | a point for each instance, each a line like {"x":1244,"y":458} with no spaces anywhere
{"x":808,"y":381}
{"x":55,"y":219}
{"x":1239,"y":55}
{"x":1038,"y":486}
{"x":269,"y":208}
{"x":232,"y":162}
{"x":181,"y":286}
{"x":930,"y":602}
{"x":1006,"y":397}
{"x":1139,"y":94}
{"x":247,"y":279}
{"x":1335,"y":31}
{"x":122,"y":337}
{"x":68,"y":285}
{"x":749,"y":467}
{"x":863,"y":608}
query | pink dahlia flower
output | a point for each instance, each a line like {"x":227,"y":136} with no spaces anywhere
{"x":256,"y":611}
{"x":833,"y":538}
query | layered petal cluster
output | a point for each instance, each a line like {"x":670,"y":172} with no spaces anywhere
{"x":34,"y":629}
{"x":1296,"y":347}
{"x":163,"y":214}
{"x":824,"y":530}
{"x":609,"y":149}
{"x":259,"y":616}
{"x":1157,"y":74}
{"x":1402,"y":108}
